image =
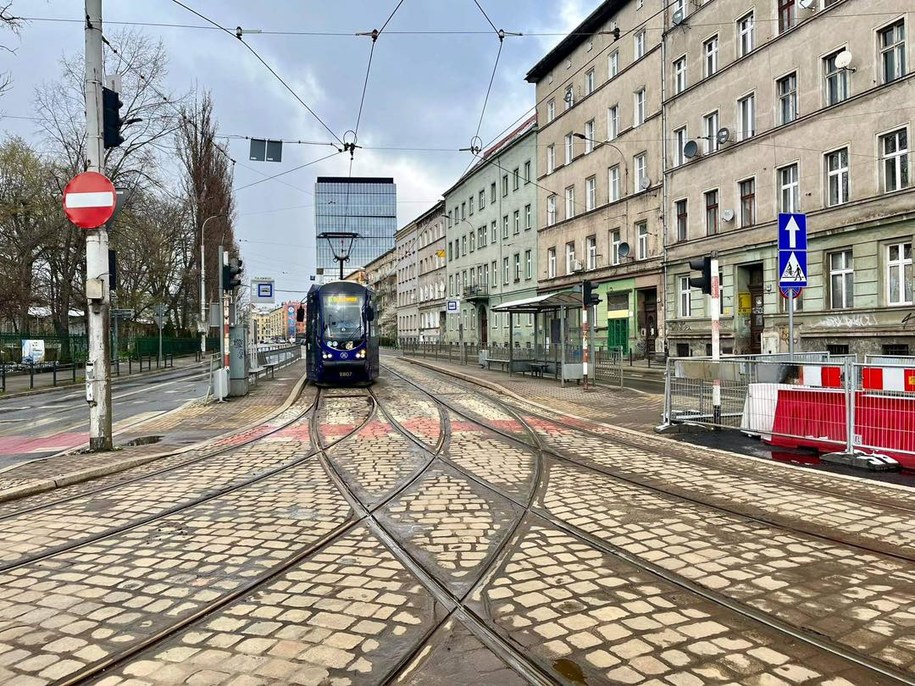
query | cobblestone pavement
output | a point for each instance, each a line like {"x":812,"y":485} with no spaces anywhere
{"x":431,"y":533}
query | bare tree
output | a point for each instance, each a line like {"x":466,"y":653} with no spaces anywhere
{"x":14,"y":24}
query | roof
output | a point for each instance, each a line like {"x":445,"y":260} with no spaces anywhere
{"x":522,"y":130}
{"x":539,"y":303}
{"x":592,"y":23}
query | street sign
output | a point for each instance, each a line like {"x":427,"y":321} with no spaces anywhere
{"x":121,"y":314}
{"x":89,"y":200}
{"x":262,"y":291}
{"x":792,"y":251}
{"x":453,"y":306}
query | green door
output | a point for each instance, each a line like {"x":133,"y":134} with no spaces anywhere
{"x":618,"y":334}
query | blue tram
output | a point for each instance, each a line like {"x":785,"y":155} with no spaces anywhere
{"x":341,"y":345}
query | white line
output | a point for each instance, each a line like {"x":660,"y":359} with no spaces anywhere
{"x":98,"y":199}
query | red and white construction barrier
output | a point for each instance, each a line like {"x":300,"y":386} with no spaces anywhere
{"x":888,"y":379}
{"x":821,"y":376}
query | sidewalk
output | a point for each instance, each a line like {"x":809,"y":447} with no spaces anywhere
{"x":177,"y":431}
{"x":620,"y":406}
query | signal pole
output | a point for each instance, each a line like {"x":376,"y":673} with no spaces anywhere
{"x":98,"y":364}
{"x":716,"y":338}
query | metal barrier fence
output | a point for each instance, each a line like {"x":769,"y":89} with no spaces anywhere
{"x":607,"y":365}
{"x":833,"y":404}
{"x":21,"y":377}
{"x":278,"y":356}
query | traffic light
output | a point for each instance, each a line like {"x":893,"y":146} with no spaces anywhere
{"x":588,"y":295}
{"x":112,"y":270}
{"x":704,"y":282}
{"x":231,"y":275}
{"x":111,"y":118}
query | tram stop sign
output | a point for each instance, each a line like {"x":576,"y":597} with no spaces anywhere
{"x":89,"y":200}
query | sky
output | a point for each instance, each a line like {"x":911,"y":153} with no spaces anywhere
{"x":423,"y":99}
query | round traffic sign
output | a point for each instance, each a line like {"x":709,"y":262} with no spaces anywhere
{"x":89,"y":200}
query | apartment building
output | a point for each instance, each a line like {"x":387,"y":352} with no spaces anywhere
{"x":407,"y":281}
{"x":491,"y":240}
{"x":599,"y":104}
{"x":786,"y":106}
{"x":430,"y":256}
{"x":381,"y":277}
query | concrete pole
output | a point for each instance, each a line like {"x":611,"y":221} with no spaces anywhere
{"x":203,"y":299}
{"x":98,"y":364}
{"x":716,"y":339}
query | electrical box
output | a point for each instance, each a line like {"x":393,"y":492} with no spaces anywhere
{"x":95,"y":289}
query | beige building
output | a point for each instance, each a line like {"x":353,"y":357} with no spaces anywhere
{"x":430,"y":257}
{"x":791,"y":109}
{"x":381,"y":277}
{"x":600,"y":169}
{"x":407,"y":283}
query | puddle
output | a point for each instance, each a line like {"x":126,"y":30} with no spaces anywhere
{"x":570,"y":671}
{"x":144,"y":440}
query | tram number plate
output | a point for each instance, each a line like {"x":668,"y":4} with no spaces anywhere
{"x":346,"y":373}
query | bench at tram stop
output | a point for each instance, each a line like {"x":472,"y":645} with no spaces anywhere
{"x":521,"y":366}
{"x":269,"y":368}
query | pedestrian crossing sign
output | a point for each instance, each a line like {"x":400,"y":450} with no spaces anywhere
{"x":792,"y":273}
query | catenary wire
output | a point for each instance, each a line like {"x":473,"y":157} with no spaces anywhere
{"x":288,"y":171}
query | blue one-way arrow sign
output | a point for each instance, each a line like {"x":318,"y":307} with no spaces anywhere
{"x":792,"y":250}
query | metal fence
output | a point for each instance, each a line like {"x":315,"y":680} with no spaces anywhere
{"x":278,"y":355}
{"x":813,"y":400}
{"x":66,"y":349}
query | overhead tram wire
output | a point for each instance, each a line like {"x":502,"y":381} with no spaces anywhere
{"x":238,"y":35}
{"x":288,"y":171}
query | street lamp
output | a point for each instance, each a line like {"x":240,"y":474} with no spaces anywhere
{"x":203,"y":296}
{"x":622,"y":157}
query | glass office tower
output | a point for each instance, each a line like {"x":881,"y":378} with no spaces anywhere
{"x":363,"y":205}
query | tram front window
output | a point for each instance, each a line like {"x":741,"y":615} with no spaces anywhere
{"x":342,"y":317}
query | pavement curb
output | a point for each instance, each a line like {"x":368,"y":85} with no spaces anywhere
{"x":498,"y":388}
{"x":44,"y":485}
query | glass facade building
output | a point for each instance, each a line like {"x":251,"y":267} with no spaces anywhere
{"x":363,"y":205}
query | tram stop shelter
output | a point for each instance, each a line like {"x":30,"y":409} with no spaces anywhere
{"x":557,"y":344}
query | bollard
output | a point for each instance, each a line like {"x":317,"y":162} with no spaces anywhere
{"x":54,"y":375}
{"x":630,"y":357}
{"x":3,"y":377}
{"x":74,"y":371}
{"x":129,"y":366}
{"x":31,"y":376}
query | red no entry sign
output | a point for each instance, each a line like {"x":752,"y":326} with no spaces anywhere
{"x":89,"y":200}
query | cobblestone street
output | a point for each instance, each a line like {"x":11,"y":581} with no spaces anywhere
{"x":426,"y":530}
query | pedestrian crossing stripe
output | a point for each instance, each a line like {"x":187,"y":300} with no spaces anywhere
{"x":793,"y":272}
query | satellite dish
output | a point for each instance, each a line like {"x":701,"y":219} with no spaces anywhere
{"x":690,"y":150}
{"x":807,"y":4}
{"x":645,"y":183}
{"x":677,"y":19}
{"x":843,"y":59}
{"x":723,"y":135}
{"x":623,"y":249}
{"x":727,"y":215}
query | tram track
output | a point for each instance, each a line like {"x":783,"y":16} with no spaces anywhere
{"x":823,"y":643}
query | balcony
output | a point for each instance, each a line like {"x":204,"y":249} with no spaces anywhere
{"x":476,"y":293}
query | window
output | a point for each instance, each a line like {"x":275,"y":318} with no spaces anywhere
{"x":746,"y":114}
{"x":470,"y":206}
{"x":494,"y":272}
{"x":899,"y":274}
{"x":837,"y":177}
{"x":464,"y":245}
{"x":450,"y":253}
{"x":641,"y":232}
{"x":527,"y":172}
{"x":492,"y":192}
{"x":551,"y":263}
{"x":787,"y":15}
{"x":613,"y":122}
{"x":686,"y":298}
{"x":682,"y":220}
{"x":639,"y":44}
{"x":590,"y":193}
{"x":615,"y":242}
{"x":517,"y":261}
{"x":638,"y":114}
{"x":550,"y":159}
{"x":516,"y":178}
{"x":710,"y":124}
{"x":613,"y":64}
{"x":589,"y":136}
{"x":680,"y":75}
{"x":679,"y":6}
{"x":569,"y":97}
{"x":892,"y":51}
{"x":481,"y":236}
{"x":528,"y":265}
{"x":836,"y":80}
{"x":569,"y":147}
{"x":589,"y":82}
{"x":787,"y":98}
{"x":449,"y":219}
{"x":570,"y":202}
{"x":516,"y":221}
{"x":492,"y":232}
{"x":550,"y":111}
{"x":505,"y":271}
{"x":570,"y":257}
{"x":746,"y":28}
{"x":551,"y":210}
{"x":711,"y":55}
{"x":591,"y":252}
{"x":473,"y":241}
{"x":482,"y":199}
{"x":747,"y":189}
{"x":528,"y":218}
{"x":505,"y":227}
{"x":790,"y":193}
{"x":841,"y":280}
{"x":463,"y":210}
{"x":613,"y":183}
{"x":641,"y":171}
{"x":680,"y":140}
{"x":504,"y":185}
{"x":711,"y":212}
{"x":894,"y":153}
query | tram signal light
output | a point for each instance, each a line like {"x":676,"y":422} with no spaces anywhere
{"x":111,"y":118}
{"x":589,"y":295}
{"x":704,"y":282}
{"x":231,"y":275}
{"x":300,"y":314}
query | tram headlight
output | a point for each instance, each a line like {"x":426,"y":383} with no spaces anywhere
{"x":361,"y":354}
{"x":326,"y":356}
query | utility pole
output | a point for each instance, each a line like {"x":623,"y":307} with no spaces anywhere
{"x":98,"y":364}
{"x":716,"y":338}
